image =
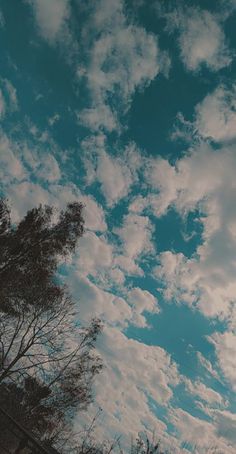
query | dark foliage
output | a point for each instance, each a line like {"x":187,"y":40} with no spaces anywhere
{"x":30,"y":252}
{"x":47,"y":362}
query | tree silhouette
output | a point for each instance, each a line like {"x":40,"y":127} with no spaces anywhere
{"x":47,"y":360}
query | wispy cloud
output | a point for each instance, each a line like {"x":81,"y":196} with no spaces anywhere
{"x":201,"y":38}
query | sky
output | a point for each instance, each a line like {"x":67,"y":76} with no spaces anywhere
{"x":130,"y":108}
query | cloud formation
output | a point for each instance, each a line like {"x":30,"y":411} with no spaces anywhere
{"x":225,"y":347}
{"x":132,"y":372}
{"x":115,"y":174}
{"x":8,"y":98}
{"x":117,"y":272}
{"x":216,"y":115}
{"x":201,"y":38}
{"x":50,"y":17}
{"x":204,"y":181}
{"x":123,"y":58}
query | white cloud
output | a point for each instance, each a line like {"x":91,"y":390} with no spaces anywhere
{"x":8,"y":97}
{"x":216,"y":115}
{"x":208,"y":366}
{"x":225,"y":422}
{"x":204,"y":180}
{"x":200,"y":433}
{"x":11,"y":93}
{"x":161,"y":177}
{"x":21,"y":161}
{"x":201,"y":391}
{"x":225,"y":346}
{"x":50,"y":16}
{"x":175,"y":270}
{"x":115,"y":174}
{"x":48,"y":169}
{"x":140,"y":301}
{"x":11,"y":167}
{"x":136,"y":237}
{"x":97,"y":259}
{"x":94,"y":117}
{"x":201,"y":282}
{"x":93,"y":213}
{"x":94,"y":271}
{"x":94,"y":255}
{"x":183,"y":185}
{"x":132,"y":371}
{"x":201,"y":38}
{"x":53,"y":119}
{"x":25,"y":195}
{"x":38,"y":154}
{"x":123,"y":58}
{"x":93,"y":301}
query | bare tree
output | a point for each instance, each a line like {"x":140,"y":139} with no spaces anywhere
{"x":144,"y":445}
{"x":44,"y":341}
{"x":47,"y":360}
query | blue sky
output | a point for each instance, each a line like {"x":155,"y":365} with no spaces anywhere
{"x":130,"y":107}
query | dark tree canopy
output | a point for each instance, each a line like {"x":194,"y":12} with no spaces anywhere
{"x":47,"y":361}
{"x":30,"y":252}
